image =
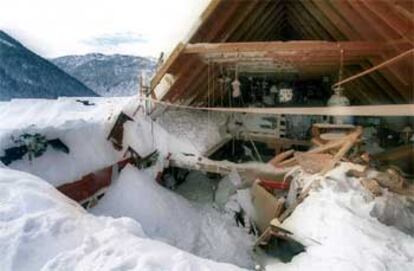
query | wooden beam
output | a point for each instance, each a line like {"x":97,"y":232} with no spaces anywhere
{"x":396,"y":20}
{"x":166,"y":65}
{"x":242,"y":16}
{"x":403,"y":110}
{"x":372,"y":48}
{"x":265,"y":17}
{"x":252,"y":20}
{"x":336,"y":20}
{"x":253,"y":170}
{"x":322,"y":19}
{"x":379,"y":66}
{"x":344,"y":26}
{"x":365,"y":28}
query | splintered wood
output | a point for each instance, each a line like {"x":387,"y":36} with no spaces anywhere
{"x":341,"y":146}
{"x":314,"y":161}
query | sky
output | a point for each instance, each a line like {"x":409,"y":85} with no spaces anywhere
{"x":54,"y":28}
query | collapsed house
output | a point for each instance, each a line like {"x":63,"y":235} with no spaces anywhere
{"x":279,"y":131}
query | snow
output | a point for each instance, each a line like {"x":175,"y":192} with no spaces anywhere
{"x":82,"y":128}
{"x":107,"y":75}
{"x":25,"y":74}
{"x":140,"y":225}
{"x":40,"y":229}
{"x":170,"y":218}
{"x":202,"y":130}
{"x":7,"y":43}
{"x":338,"y":224}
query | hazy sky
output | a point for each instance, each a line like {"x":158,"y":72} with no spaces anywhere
{"x":60,"y":27}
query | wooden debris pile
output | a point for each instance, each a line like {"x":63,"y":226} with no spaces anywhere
{"x":272,"y":203}
{"x":376,"y":181}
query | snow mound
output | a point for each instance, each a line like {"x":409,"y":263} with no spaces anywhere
{"x":170,"y":218}
{"x":338,"y":226}
{"x":82,"y":128}
{"x":40,"y":229}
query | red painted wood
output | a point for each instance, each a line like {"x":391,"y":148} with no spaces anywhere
{"x":90,"y":184}
{"x":274,"y":185}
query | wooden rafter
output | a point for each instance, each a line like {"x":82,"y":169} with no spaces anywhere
{"x":390,"y":23}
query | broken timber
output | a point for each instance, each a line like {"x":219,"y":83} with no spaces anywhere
{"x":251,"y":170}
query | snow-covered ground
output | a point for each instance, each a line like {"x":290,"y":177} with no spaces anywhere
{"x":170,"y":218}
{"x":164,"y":215}
{"x":40,"y":229}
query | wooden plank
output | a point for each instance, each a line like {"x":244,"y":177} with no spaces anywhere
{"x":184,"y":79}
{"x":387,"y":12}
{"x":241,"y":17}
{"x":265,"y":204}
{"x":250,"y":170}
{"x":352,"y":34}
{"x":349,"y":143}
{"x":261,"y":22}
{"x":364,"y":110}
{"x":165,"y":67}
{"x":285,"y":46}
{"x":379,"y":66}
{"x":398,"y":153}
{"x":210,"y":9}
{"x":216,"y":21}
{"x":332,"y":16}
{"x":361,"y":25}
{"x":304,"y":22}
{"x":322,"y":19}
{"x":252,"y":20}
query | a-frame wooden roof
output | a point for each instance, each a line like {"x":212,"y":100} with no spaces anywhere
{"x":305,"y":35}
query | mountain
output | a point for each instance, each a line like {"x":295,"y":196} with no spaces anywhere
{"x":24,"y":74}
{"x":107,"y":75}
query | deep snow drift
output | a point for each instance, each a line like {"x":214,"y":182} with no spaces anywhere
{"x":40,"y":229}
{"x":168,"y":217}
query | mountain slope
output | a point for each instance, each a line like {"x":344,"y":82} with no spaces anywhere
{"x":107,"y":75}
{"x":23,"y":74}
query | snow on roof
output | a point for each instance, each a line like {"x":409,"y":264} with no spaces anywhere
{"x":81,"y":128}
{"x":83,"y":124}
